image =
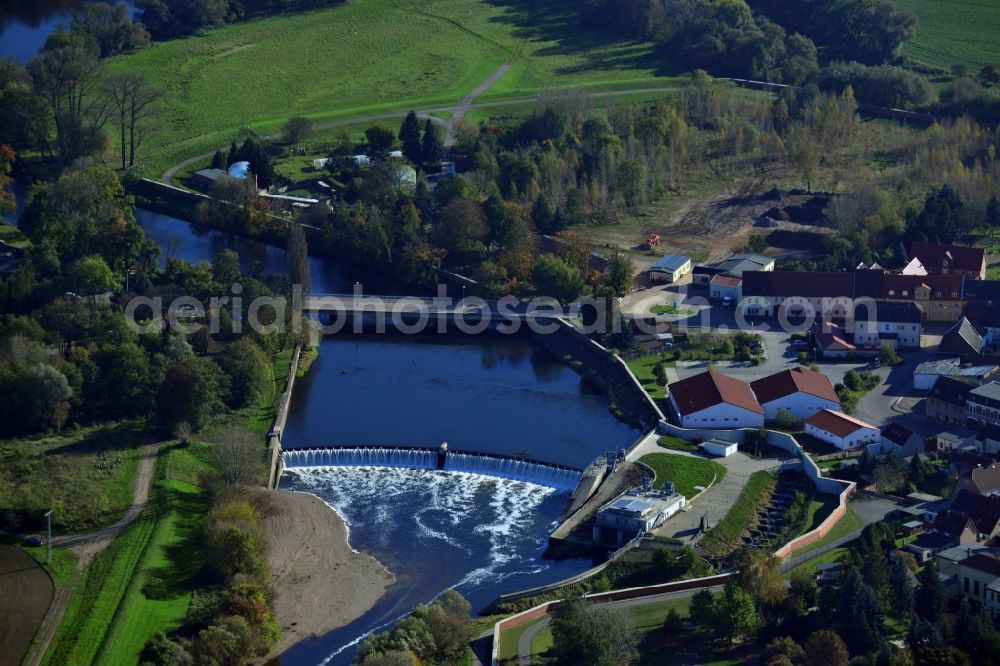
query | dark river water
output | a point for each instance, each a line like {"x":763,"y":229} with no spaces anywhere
{"x":26,"y":24}
{"x":434,"y":530}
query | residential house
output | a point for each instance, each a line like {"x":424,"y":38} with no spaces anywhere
{"x":985,"y":515}
{"x":983,"y":405}
{"x":799,"y":391}
{"x":701,"y":276}
{"x":831,"y":340}
{"x":713,"y":400}
{"x":948,"y":559}
{"x":958,"y":526}
{"x":892,"y":323}
{"x":947,"y":400}
{"x":950,"y":259}
{"x":939,"y":296}
{"x":898,"y":440}
{"x":670,"y":268}
{"x":979,"y":578}
{"x":928,"y":545}
{"x":725,"y":286}
{"x":962,"y":338}
{"x":914,"y":267}
{"x":841,"y":430}
{"x":984,"y":480}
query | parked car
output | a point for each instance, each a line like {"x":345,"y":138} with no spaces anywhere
{"x":727,"y":302}
{"x":801,"y":345}
{"x":875,"y":363}
{"x":33,"y":541}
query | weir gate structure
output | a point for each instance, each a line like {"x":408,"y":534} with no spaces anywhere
{"x":560,"y":477}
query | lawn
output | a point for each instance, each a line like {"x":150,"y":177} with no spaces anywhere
{"x":10,"y":235}
{"x":143,"y":582}
{"x":723,"y":537}
{"x":509,"y":639}
{"x":685,"y":471}
{"x":677,"y":444}
{"x":670,"y":310}
{"x":850,"y":522}
{"x":62,"y":472}
{"x":642,"y":368}
{"x":956,"y":31}
{"x":261,"y":417}
{"x":372,"y":57}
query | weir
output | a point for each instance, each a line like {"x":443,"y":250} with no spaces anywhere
{"x":508,"y":467}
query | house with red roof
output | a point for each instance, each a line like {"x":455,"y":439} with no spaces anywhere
{"x":712,"y":400}
{"x":950,"y":259}
{"x":841,"y":430}
{"x":800,"y":391}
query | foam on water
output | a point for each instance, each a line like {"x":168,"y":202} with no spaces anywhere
{"x":439,"y":529}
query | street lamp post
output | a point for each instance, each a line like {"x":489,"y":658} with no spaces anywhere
{"x":48,"y":542}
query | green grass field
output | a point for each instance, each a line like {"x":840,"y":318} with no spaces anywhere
{"x":685,"y":471}
{"x":143,"y":582}
{"x":956,"y":31}
{"x":849,"y":523}
{"x":372,"y":57}
{"x":676,"y":444}
{"x":722,"y":538}
{"x":60,"y":472}
{"x":642,"y":368}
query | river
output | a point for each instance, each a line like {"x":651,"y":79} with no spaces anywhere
{"x":433,"y":530}
{"x":26,"y":24}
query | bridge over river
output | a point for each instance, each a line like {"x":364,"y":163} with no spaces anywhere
{"x":412,"y":312}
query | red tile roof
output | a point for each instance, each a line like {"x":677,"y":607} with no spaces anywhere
{"x":960,"y":257}
{"x":727,"y":280}
{"x":708,"y":389}
{"x":837,"y":423}
{"x":796,"y":380}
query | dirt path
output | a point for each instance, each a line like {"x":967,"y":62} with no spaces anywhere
{"x":89,"y":545}
{"x":466,"y":102}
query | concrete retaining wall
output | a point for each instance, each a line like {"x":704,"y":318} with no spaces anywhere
{"x":275,"y":465}
{"x":603,"y":597}
{"x":843,"y":489}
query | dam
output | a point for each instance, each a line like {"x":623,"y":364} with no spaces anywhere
{"x":555,"y":476}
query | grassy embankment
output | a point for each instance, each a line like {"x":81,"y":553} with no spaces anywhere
{"x":953,"y":32}
{"x":642,"y":368}
{"x":373,"y":57}
{"x":686,"y":472}
{"x":724,"y":536}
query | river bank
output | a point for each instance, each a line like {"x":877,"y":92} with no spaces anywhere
{"x":320,"y":582}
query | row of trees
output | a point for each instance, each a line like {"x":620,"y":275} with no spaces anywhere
{"x":167,"y":19}
{"x":434,"y":634}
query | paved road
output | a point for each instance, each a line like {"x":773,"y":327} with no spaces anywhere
{"x":466,"y":102}
{"x":524,"y":642}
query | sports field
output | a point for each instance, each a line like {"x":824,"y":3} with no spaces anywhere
{"x":955,"y":31}
{"x":373,"y":56}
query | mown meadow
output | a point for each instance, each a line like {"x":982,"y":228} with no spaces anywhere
{"x":956,"y":31}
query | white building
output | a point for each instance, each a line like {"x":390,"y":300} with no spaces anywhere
{"x":979,"y":578}
{"x":711,"y":400}
{"x":720,"y":447}
{"x":670,"y":268}
{"x":800,"y":391}
{"x":893,"y":323}
{"x":636,"y":512}
{"x":841,"y":430}
{"x":725,"y":286}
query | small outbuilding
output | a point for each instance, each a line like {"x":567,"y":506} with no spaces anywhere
{"x":670,"y":268}
{"x":720,"y":447}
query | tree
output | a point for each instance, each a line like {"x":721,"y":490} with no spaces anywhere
{"x":805,"y":158}
{"x":7,"y":156}
{"x":585,"y":634}
{"x":241,"y":457}
{"x":784,"y":646}
{"x":801,"y":593}
{"x":702,"y":607}
{"x":621,"y":274}
{"x":108,"y":29}
{"x":542,"y":215}
{"x":91,"y":277}
{"x":973,"y":627}
{"x":409,"y":137}
{"x":826,"y":648}
{"x":295,"y":129}
{"x":858,"y":614}
{"x":133,"y":105}
{"x":760,"y":574}
{"x":492,"y":277}
{"x":931,"y":597}
{"x":226,"y":267}
{"x":901,"y":589}
{"x":554,"y":277}
{"x":786,"y":420}
{"x":219,"y":160}
{"x":249,"y":372}
{"x":430,"y":147}
{"x":380,"y":138}
{"x":192,"y":393}
{"x":298,"y":258}
{"x":67,"y":78}
{"x":126,"y":385}
{"x":461,"y":229}
{"x":735,"y":615}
